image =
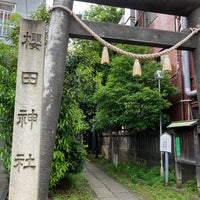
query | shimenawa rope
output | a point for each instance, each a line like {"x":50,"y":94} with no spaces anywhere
{"x":120,"y":51}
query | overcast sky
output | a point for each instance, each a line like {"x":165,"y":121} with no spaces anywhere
{"x":78,"y":7}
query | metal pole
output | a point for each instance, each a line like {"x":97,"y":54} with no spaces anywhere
{"x":166,"y":168}
{"x":161,"y":153}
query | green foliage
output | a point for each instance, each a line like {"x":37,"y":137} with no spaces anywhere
{"x":130,"y":101}
{"x":84,"y":78}
{"x":190,"y":185}
{"x":13,"y":36}
{"x":58,"y":168}
{"x":76,"y":189}
{"x":41,"y":14}
{"x":69,"y":152}
{"x":8,"y":63}
{"x":123,"y":100}
{"x":85,"y":57}
{"x":103,"y":14}
{"x":68,"y":158}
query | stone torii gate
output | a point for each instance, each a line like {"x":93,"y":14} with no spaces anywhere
{"x":63,"y":26}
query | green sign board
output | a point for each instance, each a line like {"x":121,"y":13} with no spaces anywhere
{"x":178,"y":146}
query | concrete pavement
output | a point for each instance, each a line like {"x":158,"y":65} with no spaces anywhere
{"x":104,"y":187}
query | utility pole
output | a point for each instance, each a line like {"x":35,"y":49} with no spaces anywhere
{"x":54,"y":68}
{"x":159,"y":76}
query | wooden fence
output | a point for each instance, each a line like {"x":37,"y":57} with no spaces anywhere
{"x":130,"y":146}
{"x":145,"y":146}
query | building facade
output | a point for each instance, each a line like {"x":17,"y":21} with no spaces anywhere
{"x":23,"y":7}
{"x":184,"y":104}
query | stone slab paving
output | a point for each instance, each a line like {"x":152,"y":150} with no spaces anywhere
{"x":105,"y":187}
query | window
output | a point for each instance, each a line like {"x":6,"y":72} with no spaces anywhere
{"x":195,"y":112}
{"x":6,"y":9}
{"x":148,"y":18}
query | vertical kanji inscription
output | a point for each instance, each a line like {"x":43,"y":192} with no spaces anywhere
{"x":24,"y":176}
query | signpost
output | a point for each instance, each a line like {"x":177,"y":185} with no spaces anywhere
{"x":166,"y":146}
{"x":178,"y":146}
{"x":25,"y":163}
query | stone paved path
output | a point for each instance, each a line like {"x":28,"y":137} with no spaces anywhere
{"x":104,"y":187}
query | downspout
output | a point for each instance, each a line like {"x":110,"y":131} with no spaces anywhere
{"x":186,"y":66}
{"x":177,"y":21}
{"x":26,"y":9}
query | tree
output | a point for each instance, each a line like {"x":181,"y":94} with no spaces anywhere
{"x":8,"y":63}
{"x":131,"y":102}
{"x":123,"y":100}
{"x":86,"y":58}
{"x":103,"y":14}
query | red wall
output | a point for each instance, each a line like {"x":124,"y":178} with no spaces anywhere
{"x":182,"y":105}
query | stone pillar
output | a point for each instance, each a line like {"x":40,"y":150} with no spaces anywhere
{"x":179,"y":179}
{"x":24,"y":176}
{"x":55,"y":62}
{"x":194,"y":22}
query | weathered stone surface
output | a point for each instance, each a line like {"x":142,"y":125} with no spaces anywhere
{"x":55,"y":60}
{"x":25,"y":164}
{"x":131,"y":35}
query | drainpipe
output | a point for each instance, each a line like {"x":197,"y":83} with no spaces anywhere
{"x":186,"y":66}
{"x":26,"y":9}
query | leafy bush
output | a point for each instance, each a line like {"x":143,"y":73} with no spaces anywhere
{"x":76,"y":189}
{"x":67,"y":159}
{"x":68,"y":148}
{"x":8,"y":62}
{"x":191,"y":185}
{"x":124,"y":100}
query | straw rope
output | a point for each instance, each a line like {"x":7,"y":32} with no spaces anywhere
{"x":120,"y":51}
